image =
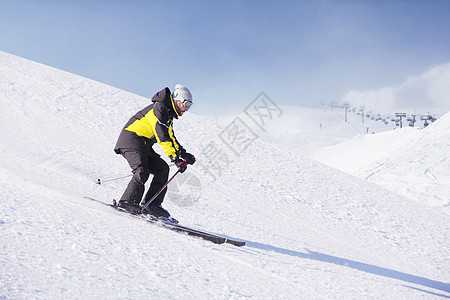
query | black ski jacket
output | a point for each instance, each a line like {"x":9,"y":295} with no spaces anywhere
{"x":151,"y":125}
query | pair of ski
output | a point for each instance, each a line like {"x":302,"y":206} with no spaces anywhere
{"x":215,"y":238}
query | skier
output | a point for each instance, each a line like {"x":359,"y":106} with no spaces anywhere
{"x":151,"y":125}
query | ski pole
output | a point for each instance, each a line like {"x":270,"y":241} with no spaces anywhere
{"x":99,"y":181}
{"x":112,"y":179}
{"x":157,"y":194}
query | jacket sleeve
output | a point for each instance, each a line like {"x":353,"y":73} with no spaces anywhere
{"x":163,"y":129}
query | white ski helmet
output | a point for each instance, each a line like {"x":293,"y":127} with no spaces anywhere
{"x":181,"y":93}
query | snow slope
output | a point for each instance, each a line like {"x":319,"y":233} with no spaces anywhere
{"x":313,"y":232}
{"x":413,"y":162}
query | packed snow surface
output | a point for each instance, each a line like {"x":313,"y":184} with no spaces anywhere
{"x":312,"y":231}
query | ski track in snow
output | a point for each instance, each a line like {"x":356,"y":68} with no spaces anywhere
{"x":312,"y":231}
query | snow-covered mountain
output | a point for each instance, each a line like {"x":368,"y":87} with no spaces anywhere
{"x":414,"y":162}
{"x":312,"y":231}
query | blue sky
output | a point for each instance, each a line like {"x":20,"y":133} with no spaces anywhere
{"x":227,"y":52}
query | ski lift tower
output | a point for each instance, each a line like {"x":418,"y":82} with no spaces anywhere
{"x":412,"y":120}
{"x":362,"y":112}
{"x":346,"y":106}
{"x":400,"y":115}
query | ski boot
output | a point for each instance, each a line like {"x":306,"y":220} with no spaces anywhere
{"x":159,"y":213}
{"x":130,"y":207}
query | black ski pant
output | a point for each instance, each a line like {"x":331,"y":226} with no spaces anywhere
{"x":142,"y":165}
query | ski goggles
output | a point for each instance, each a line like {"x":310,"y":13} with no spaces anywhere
{"x":187,"y":104}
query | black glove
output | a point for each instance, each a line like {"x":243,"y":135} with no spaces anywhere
{"x":181,"y":164}
{"x":189,"y":158}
